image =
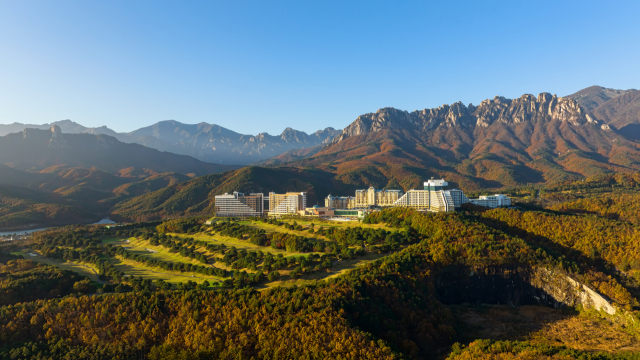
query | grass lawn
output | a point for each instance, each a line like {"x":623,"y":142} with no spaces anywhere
{"x":82,"y":269}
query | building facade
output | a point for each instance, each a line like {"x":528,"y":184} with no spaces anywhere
{"x":239,"y":204}
{"x":427,"y":200}
{"x":374,"y":197}
{"x":458,"y":197}
{"x":492,"y":201}
{"x":340,"y":202}
{"x":289,"y":203}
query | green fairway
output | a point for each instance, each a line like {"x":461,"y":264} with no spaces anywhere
{"x":111,"y":240}
{"x":133,"y":268}
{"x":338,"y":268}
{"x":142,"y":247}
{"x":239,"y":244}
{"x":83,"y":269}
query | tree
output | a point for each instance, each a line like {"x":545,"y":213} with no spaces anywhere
{"x":273,"y":276}
{"x":85,"y":286}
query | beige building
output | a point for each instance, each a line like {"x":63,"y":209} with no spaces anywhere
{"x":317,"y":211}
{"x":374,"y":197}
{"x":340,"y":202}
{"x":289,"y":203}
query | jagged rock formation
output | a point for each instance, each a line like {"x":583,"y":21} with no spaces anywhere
{"x":527,"y":108}
{"x":531,"y":139}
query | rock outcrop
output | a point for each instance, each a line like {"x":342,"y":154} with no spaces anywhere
{"x":57,"y":140}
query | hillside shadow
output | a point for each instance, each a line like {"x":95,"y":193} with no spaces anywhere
{"x":557,"y":250}
{"x":503,"y":322}
{"x":630,"y":131}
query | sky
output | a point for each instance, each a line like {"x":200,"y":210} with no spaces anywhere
{"x":262,"y":66}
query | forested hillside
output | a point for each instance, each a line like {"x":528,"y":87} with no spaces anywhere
{"x":402,"y":305}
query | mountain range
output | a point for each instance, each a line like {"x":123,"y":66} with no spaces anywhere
{"x":500,"y":142}
{"x":48,"y":177}
{"x":205,"y":142}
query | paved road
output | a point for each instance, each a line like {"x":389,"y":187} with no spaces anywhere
{"x":95,"y":272}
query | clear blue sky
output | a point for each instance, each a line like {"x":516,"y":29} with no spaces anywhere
{"x":265,"y":65}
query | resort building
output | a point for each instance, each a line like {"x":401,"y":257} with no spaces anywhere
{"x":239,"y":204}
{"x":435,"y":197}
{"x":289,"y":203}
{"x":426,"y":200}
{"x":492,"y":201}
{"x":374,"y":197}
{"x":340,"y":202}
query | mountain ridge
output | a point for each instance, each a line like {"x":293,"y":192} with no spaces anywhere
{"x":203,"y":141}
{"x":594,"y":96}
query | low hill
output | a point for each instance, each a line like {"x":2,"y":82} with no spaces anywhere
{"x":196,"y":196}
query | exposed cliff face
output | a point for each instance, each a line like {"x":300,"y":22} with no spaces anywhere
{"x":527,"y":108}
{"x":517,"y":286}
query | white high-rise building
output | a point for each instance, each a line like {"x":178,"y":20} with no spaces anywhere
{"x":435,"y":197}
{"x":426,"y":200}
